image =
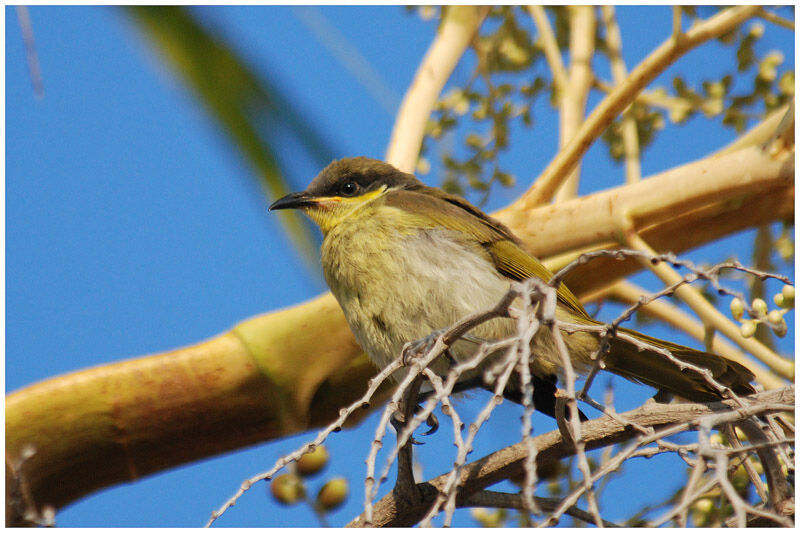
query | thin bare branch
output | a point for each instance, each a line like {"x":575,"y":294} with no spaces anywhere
{"x":336,"y":426}
{"x":604,"y":431}
{"x":539,"y":300}
{"x":666,"y":54}
{"x":747,"y":462}
{"x":629,"y":293}
{"x":504,"y":500}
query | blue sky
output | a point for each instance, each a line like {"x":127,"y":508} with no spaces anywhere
{"x":133,"y":227}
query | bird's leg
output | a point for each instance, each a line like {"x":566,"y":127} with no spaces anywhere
{"x":413,"y":350}
{"x":420,"y":348}
{"x":561,"y":418}
{"x":406,"y":488}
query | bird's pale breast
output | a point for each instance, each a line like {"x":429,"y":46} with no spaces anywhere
{"x":397,"y":284}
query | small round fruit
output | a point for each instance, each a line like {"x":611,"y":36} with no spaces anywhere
{"x":287,"y":489}
{"x":333,"y":493}
{"x":788,"y":295}
{"x":737,"y":308}
{"x":312,"y":462}
{"x":748,"y":328}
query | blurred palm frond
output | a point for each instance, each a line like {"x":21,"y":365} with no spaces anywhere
{"x":251,"y":110}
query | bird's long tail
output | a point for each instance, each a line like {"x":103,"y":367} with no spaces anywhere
{"x":658,"y":370}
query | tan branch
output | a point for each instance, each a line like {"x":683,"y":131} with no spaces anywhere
{"x":655,"y":98}
{"x":677,"y":15}
{"x":704,"y":226}
{"x":125,"y":420}
{"x":547,"y":41}
{"x":573,"y":99}
{"x":712,"y":183}
{"x":458,"y":27}
{"x":630,"y":136}
{"x":666,"y":54}
{"x":775,"y":19}
{"x":766,"y":130}
{"x":508,"y":462}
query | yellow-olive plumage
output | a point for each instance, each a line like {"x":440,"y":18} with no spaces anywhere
{"x":404,"y":260}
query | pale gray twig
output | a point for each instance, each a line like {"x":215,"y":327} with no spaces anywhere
{"x":335,"y":426}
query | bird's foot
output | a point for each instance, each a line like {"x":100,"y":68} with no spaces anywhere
{"x":398,"y":423}
{"x":419,"y":348}
{"x":433,"y":424}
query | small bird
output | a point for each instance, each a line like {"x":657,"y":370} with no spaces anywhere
{"x":405,"y":260}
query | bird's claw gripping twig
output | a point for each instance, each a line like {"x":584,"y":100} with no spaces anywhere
{"x":432,"y":422}
{"x":418,"y":348}
{"x":398,"y":423}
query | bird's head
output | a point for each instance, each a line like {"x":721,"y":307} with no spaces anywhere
{"x":343,"y":187}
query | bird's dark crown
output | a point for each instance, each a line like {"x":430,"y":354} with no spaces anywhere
{"x":357,"y":175}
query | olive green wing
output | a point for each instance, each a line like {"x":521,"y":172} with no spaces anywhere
{"x":437,"y":208}
{"x":515,"y":263}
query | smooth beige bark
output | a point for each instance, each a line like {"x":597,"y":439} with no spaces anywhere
{"x":572,"y":107}
{"x":717,"y":183}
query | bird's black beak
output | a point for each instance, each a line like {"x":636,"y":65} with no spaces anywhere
{"x":293,"y":201}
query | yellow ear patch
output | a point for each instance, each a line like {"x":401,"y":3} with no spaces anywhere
{"x":328,"y":211}
{"x":366,"y":197}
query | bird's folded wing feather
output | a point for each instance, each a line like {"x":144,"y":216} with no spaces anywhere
{"x":436,"y":207}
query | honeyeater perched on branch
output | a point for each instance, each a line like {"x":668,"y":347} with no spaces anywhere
{"x":404,"y":260}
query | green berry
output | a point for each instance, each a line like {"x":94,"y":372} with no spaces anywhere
{"x":312,"y":462}
{"x":737,"y":308}
{"x":760,"y":306}
{"x":748,"y":328}
{"x":704,"y":505}
{"x":488,"y":518}
{"x":332,"y":494}
{"x":788,"y":295}
{"x":775,"y":317}
{"x":287,"y":489}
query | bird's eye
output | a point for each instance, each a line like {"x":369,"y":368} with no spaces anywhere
{"x":348,"y":188}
